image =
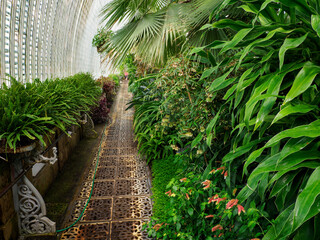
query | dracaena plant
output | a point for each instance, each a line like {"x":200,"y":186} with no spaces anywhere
{"x":269,"y":73}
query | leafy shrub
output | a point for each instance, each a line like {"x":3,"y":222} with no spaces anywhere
{"x":31,"y":110}
{"x":201,"y":208}
{"x":99,"y":114}
{"x":116,"y":79}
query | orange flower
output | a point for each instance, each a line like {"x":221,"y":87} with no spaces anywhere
{"x":169,"y":193}
{"x":232,"y":203}
{"x":183,"y":179}
{"x":206,"y":183}
{"x":220,"y":234}
{"x":187,"y":196}
{"x":212,"y":171}
{"x":190,"y":191}
{"x":209,"y":216}
{"x":218,"y":200}
{"x":215,"y":228}
{"x":225,"y":175}
{"x":213,"y":198}
{"x":221,"y":168}
{"x":240,"y":209}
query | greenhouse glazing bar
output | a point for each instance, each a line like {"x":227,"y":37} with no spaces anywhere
{"x":47,"y":38}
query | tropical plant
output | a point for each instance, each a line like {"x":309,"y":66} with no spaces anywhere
{"x":200,"y":208}
{"x":269,"y":71}
{"x":30,"y":111}
{"x":156,"y":30}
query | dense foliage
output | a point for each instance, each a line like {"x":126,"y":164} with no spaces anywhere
{"x":249,"y":109}
{"x":30,"y":111}
{"x":109,"y":87}
{"x":155,"y":30}
{"x":163,"y":170}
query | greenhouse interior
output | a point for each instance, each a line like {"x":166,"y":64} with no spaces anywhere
{"x":156,"y":119}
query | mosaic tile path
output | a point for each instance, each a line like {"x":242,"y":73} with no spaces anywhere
{"x":120,"y":201}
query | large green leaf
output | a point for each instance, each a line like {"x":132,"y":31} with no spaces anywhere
{"x":219,"y":81}
{"x":281,"y":226}
{"x":210,"y":127}
{"x":290,"y":43}
{"x":292,"y":109}
{"x":267,"y":105}
{"x":236,"y":39}
{"x":302,"y":81}
{"x":228,"y":23}
{"x":197,"y":140}
{"x":306,"y":199}
{"x":311,"y":130}
{"x":315,"y":22}
{"x":241,"y":150}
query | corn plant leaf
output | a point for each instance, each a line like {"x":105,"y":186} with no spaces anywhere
{"x":302,"y":81}
{"x":306,"y":199}
{"x":293,"y":109}
{"x":315,"y":22}
{"x":219,"y":81}
{"x":197,"y":140}
{"x":305,"y":164}
{"x":210,"y":127}
{"x":234,"y":25}
{"x":207,"y":73}
{"x":290,"y":43}
{"x":236,"y":39}
{"x":241,"y":150}
{"x":265,"y":4}
{"x":288,"y":157}
{"x":311,"y":130}
{"x":272,"y":165}
{"x":300,"y":5}
{"x":253,"y":99}
{"x":267,"y":105}
{"x":282,"y":183}
{"x":282,"y":224}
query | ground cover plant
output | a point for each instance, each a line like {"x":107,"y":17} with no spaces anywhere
{"x":252,"y":108}
{"x":30,"y":111}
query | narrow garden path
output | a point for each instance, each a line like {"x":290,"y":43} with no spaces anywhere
{"x":120,"y":200}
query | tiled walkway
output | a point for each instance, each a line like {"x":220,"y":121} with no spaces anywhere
{"x":120,"y":201}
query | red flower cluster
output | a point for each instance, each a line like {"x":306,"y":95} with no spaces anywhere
{"x":234,"y":202}
{"x":206,"y":184}
{"x":217,"y":227}
{"x":216,"y":199}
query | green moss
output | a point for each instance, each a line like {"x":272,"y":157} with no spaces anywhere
{"x":163,"y":170}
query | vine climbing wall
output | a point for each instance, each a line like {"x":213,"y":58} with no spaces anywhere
{"x":47,"y":38}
